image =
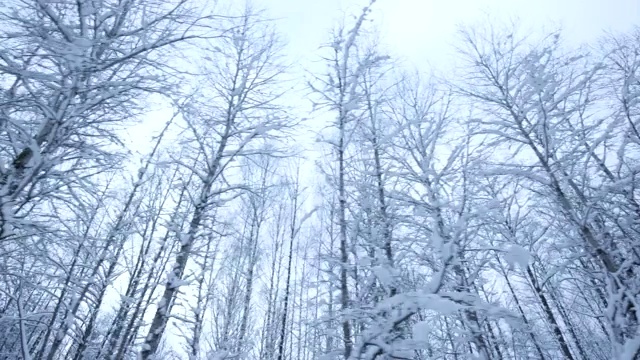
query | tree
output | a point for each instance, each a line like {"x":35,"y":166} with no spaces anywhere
{"x":76,"y":71}
{"x":339,"y":91}
{"x":543,"y":113}
{"x":223,"y":131}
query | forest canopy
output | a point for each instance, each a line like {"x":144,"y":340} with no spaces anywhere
{"x":489,"y":213}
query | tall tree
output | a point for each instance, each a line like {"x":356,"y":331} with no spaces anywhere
{"x":223,"y":129}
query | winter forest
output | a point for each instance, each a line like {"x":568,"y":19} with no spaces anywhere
{"x":362,"y":210}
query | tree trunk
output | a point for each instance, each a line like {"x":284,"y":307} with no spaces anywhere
{"x":564,"y":346}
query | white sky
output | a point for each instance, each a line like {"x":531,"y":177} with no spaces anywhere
{"x":422,"y":30}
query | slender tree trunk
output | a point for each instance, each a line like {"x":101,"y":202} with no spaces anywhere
{"x":246,"y":308}
{"x":202,"y":300}
{"x":380,"y":191}
{"x":159,"y":323}
{"x":269,"y":324}
{"x":93,"y":314}
{"x":24,"y":346}
{"x":521,"y":310}
{"x":283,"y":324}
{"x":555,"y":327}
{"x":344,"y":254}
{"x":570,"y":326}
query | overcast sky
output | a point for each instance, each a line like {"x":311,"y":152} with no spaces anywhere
{"x":422,"y":30}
